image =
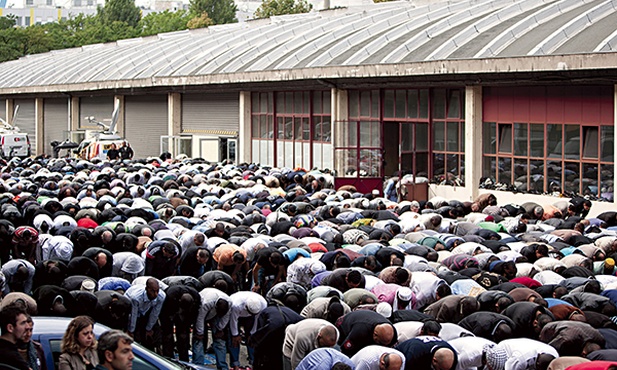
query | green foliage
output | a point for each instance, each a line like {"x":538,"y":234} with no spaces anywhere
{"x":120,"y":11}
{"x":155,"y":23}
{"x":219,"y":11}
{"x":200,"y":21}
{"x":7,"y":22}
{"x":270,"y":8}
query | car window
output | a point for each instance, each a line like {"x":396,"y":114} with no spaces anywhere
{"x":140,"y":364}
{"x":55,"y":345}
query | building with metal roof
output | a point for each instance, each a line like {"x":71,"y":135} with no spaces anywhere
{"x":517,"y":95}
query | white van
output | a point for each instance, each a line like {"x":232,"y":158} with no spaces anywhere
{"x":14,"y":144}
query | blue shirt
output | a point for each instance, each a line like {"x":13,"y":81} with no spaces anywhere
{"x":323,"y":359}
{"x":142,"y":304}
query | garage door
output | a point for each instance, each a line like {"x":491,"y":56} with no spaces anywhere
{"x":99,"y":107}
{"x":55,"y":121}
{"x":26,"y":118}
{"x":214,"y":114}
{"x":145,"y":121}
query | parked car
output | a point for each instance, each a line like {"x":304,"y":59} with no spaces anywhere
{"x":49,"y":331}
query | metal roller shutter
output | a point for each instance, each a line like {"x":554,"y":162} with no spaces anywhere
{"x":3,"y":109}
{"x":55,"y":121}
{"x":213,"y":114}
{"x":26,"y":119}
{"x":145,"y":121}
{"x":100,"y":107}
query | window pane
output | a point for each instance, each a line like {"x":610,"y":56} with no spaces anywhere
{"x":424,"y":103}
{"x":553,"y":176}
{"x":520,"y":139}
{"x":606,"y":184}
{"x":536,"y":143}
{"x":375,"y":103}
{"x":263,"y":129}
{"x":454,"y":103}
{"x":306,"y":132}
{"x":370,"y":162}
{"x":553,"y":141}
{"x":488,"y":167}
{"x":326,"y":129}
{"x":365,"y":103}
{"x":412,"y":103}
{"x":572,"y":141}
{"x":346,"y":162}
{"x":572,"y":178}
{"x":536,"y":176}
{"x":255,"y":126}
{"x":353,"y":134}
{"x":489,"y":138}
{"x":289,"y":129}
{"x":439,"y":165}
{"x":438,"y":136}
{"x":270,"y":123}
{"x":607,"y":143}
{"x":375,"y":134}
{"x":326,"y":102}
{"x":280,"y":128}
{"x":421,"y":136}
{"x":264,"y":103}
{"x":297,"y":129}
{"x":505,"y":171}
{"x":401,"y":100}
{"x":422,"y":164}
{"x":406,"y":137}
{"x":590,"y":143}
{"x":520,"y":174}
{"x":407,"y":163}
{"x":505,"y":138}
{"x":452,"y":136}
{"x":254,"y":103}
{"x":353,"y":103}
{"x":305,"y":102}
{"x":280,"y":102}
{"x":289,"y":100}
{"x":317,"y":102}
{"x":439,"y":103}
{"x":453,"y":165}
{"x":590,"y":179}
{"x":388,"y":104}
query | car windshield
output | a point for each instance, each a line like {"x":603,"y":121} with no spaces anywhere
{"x":168,"y":363}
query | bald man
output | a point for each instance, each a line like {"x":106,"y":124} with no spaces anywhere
{"x":363,"y":328}
{"x":378,"y":358}
{"x":303,"y":337}
{"x":428,"y":353}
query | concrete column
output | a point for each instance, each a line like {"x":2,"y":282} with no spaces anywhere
{"x":119,"y":102}
{"x":244,"y":129}
{"x":39,"y":126}
{"x":174,"y":119}
{"x":74,"y":113}
{"x":473,"y":139}
{"x":10,"y":106}
{"x":340,"y":115}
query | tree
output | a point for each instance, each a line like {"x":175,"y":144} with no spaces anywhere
{"x":219,"y":11}
{"x":7,"y":22}
{"x":279,"y":7}
{"x":155,"y":23}
{"x":200,"y":21}
{"x":120,"y":11}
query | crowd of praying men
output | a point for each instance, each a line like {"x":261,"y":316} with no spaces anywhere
{"x":192,"y":258}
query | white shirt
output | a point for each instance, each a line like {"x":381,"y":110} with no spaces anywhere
{"x":408,"y":329}
{"x":368,"y":358}
{"x":207,"y":310}
{"x":469,"y":351}
{"x":238,"y":309}
{"x":522,"y":352}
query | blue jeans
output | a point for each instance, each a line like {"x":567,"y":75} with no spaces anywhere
{"x":234,"y":353}
{"x":220,"y":351}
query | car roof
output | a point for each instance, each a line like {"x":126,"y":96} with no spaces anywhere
{"x":58,"y":325}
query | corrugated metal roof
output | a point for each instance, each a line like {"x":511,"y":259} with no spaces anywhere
{"x":385,"y":33}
